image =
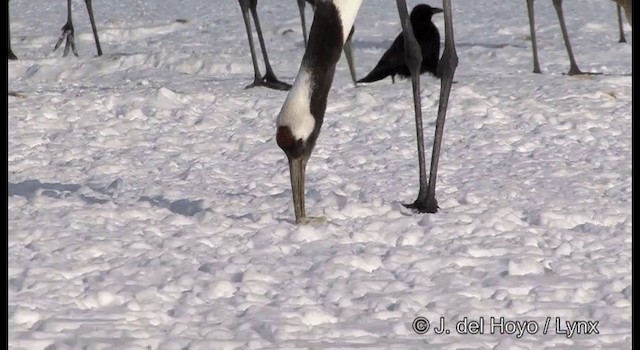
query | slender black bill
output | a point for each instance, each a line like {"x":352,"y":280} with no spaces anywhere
{"x":297,"y":168}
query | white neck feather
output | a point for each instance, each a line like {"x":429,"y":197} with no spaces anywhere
{"x":348,"y":10}
{"x":296,"y":110}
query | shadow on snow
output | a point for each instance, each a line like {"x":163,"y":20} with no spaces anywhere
{"x":99,"y":195}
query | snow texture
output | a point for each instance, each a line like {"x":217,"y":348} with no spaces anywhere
{"x":150,"y":208}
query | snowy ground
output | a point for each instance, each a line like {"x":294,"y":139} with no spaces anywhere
{"x":150,"y":207}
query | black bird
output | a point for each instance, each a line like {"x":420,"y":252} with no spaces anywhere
{"x":393,"y":61}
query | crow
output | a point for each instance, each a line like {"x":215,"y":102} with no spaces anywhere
{"x":392,"y":62}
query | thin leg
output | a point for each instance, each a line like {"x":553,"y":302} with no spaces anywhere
{"x":301,"y":6}
{"x":348,"y":53}
{"x":426,"y":201}
{"x":626,"y":6}
{"x":257,"y":76}
{"x":534,"y":44}
{"x":93,"y":26}
{"x":10,"y":53}
{"x":446,"y":70}
{"x":67,"y":33}
{"x":269,"y":79}
{"x":573,"y":70}
{"x":413,"y":58}
{"x":620,"y":27}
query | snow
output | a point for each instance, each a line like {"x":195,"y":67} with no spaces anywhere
{"x":150,"y":208}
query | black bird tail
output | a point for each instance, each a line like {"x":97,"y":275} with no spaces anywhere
{"x":379,"y":72}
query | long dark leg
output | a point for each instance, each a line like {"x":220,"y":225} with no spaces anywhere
{"x":301,"y":6}
{"x":10,"y":53}
{"x":534,"y":44}
{"x":269,"y":79}
{"x":573,"y":70}
{"x":348,"y":53}
{"x":67,"y":33}
{"x":446,"y":69}
{"x":413,"y":58}
{"x":93,"y":26}
{"x":257,"y":76}
{"x":426,"y":201}
{"x":620,"y":27}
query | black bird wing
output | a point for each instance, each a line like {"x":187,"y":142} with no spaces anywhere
{"x":430,"y":47}
{"x":391,"y":63}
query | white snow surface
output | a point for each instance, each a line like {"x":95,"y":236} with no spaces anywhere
{"x":150,"y":208}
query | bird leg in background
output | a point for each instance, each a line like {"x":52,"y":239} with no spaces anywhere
{"x":67,"y":33}
{"x":620,"y":27}
{"x":10,"y":53}
{"x":573,"y":70}
{"x":557,"y":4}
{"x":534,"y":44}
{"x":301,"y":6}
{"x":93,"y":26}
{"x":348,"y":53}
{"x":258,"y":80}
{"x":269,"y":79}
{"x":626,"y":5}
{"x":244,"y":6}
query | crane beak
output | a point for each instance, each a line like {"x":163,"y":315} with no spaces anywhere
{"x":297,"y":168}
